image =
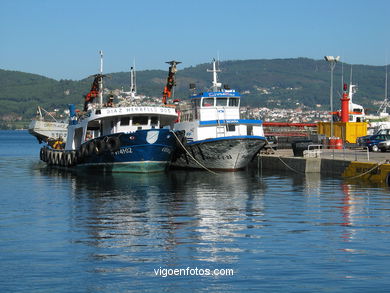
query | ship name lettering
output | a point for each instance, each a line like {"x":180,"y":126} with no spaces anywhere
{"x":124,"y":151}
{"x":166,"y":150}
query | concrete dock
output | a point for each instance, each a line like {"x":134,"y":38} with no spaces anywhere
{"x":345,"y":163}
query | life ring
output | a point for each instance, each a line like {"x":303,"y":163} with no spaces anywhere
{"x":100,"y":146}
{"x":113,"y":144}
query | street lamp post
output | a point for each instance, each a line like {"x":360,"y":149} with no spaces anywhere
{"x":332,"y":63}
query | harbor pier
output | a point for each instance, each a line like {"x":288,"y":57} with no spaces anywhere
{"x":356,"y":164}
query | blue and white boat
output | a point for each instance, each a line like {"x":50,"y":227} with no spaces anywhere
{"x":216,"y":136}
{"x":126,"y":137}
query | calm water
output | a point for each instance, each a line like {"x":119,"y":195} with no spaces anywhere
{"x":68,"y":232}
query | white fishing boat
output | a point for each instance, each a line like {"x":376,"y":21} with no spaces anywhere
{"x":45,"y":130}
{"x":116,"y":137}
{"x":216,"y":137}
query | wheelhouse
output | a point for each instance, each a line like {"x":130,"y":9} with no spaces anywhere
{"x":103,"y":122}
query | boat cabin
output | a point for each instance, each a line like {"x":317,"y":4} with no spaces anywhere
{"x":107,"y":121}
{"x":213,"y":106}
{"x":216,"y":114}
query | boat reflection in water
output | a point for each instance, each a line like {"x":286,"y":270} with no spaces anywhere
{"x":191,"y":212}
{"x":263,"y":226}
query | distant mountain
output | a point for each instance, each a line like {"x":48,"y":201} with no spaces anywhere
{"x":281,"y":83}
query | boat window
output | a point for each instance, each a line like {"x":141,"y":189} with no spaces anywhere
{"x":154,"y":120}
{"x":222,"y":101}
{"x":208,"y":102}
{"x":231,"y":127}
{"x":125,"y":121}
{"x":233,"y":102}
{"x":140,"y":120}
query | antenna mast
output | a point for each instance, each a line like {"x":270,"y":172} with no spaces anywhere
{"x":216,"y":85}
{"x":385,"y":103}
{"x":101,"y":79}
{"x":133,"y":85}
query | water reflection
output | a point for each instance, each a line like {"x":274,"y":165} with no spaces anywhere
{"x":129,"y":224}
{"x":194,"y":211}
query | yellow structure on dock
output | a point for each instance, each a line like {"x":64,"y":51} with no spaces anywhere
{"x":368,"y":171}
{"x":347,"y":131}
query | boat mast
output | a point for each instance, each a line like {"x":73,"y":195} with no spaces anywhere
{"x":101,"y":79}
{"x":216,"y":85}
{"x":385,"y":103}
{"x":133,"y":85}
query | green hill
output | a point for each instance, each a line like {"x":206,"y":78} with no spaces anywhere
{"x":278,"y":83}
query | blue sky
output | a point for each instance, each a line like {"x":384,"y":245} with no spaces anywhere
{"x":61,"y":39}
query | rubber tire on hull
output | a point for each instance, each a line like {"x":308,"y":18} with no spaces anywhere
{"x":100,"y":146}
{"x":113,"y":144}
{"x":91,"y":148}
{"x":84,"y":150}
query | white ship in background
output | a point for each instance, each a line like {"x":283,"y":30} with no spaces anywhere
{"x":45,"y":130}
{"x":216,"y":136}
{"x":382,"y":119}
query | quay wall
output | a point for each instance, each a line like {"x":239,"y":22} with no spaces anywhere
{"x":375,"y":172}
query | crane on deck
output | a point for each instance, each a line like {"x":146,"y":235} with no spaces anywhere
{"x":167,"y":93}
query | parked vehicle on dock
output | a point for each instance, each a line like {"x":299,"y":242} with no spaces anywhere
{"x":384,"y":145}
{"x":373,"y":141}
{"x":361,"y":141}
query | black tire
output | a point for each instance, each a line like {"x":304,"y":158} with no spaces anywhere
{"x":73,"y":158}
{"x":63,"y":159}
{"x":48,"y":157}
{"x":91,"y":148}
{"x":113,"y":144}
{"x":51,"y":155}
{"x":79,"y":156}
{"x":84,"y":150}
{"x":68,"y":159}
{"x":41,"y":154}
{"x":383,"y":150}
{"x":100,"y":147}
{"x":55,"y":158}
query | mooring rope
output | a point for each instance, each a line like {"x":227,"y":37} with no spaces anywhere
{"x":279,"y":157}
{"x":373,"y":168}
{"x":199,"y":163}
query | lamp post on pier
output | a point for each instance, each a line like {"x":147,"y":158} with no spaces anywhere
{"x":332,"y":63}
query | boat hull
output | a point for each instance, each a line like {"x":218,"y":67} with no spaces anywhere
{"x":225,"y":153}
{"x":142,"y":151}
{"x":45,"y":130}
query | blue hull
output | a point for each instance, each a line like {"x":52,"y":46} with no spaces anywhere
{"x":142,"y":151}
